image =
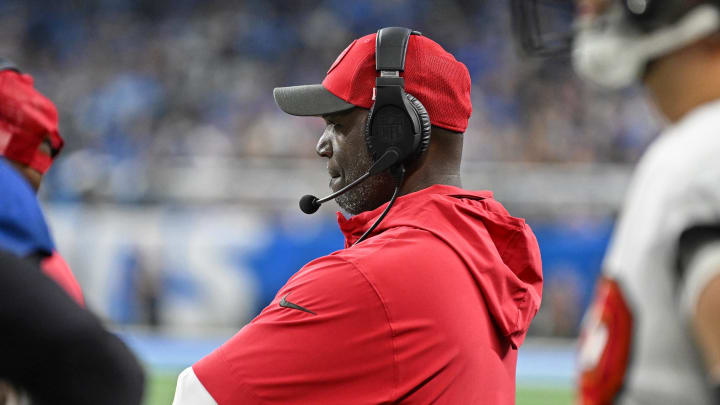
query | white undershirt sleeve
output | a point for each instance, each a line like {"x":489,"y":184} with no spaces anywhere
{"x":190,"y":390}
{"x":702,"y":269}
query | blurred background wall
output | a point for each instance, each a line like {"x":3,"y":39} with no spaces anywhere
{"x":175,"y":200}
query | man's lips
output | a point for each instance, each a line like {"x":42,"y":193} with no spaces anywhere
{"x":335,"y":178}
{"x":334,"y":172}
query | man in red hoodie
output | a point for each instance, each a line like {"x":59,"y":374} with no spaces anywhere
{"x":429,"y":301}
{"x":29,"y":140}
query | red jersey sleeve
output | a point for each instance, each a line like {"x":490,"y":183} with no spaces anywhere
{"x":325,"y":338}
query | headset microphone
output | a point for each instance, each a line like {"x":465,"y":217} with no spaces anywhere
{"x":309,"y":204}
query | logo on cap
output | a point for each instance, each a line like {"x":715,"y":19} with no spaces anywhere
{"x":341,"y":56}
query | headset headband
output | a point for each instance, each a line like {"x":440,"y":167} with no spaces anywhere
{"x":390,"y":48}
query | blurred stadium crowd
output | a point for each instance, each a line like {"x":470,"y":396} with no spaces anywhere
{"x":139,"y":83}
{"x":143,"y":86}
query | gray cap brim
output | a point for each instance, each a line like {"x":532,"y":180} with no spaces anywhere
{"x":312,"y":99}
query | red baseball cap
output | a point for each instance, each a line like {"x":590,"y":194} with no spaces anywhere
{"x":432,"y":75}
{"x":27,"y":119}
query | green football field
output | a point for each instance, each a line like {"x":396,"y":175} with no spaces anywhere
{"x":161,"y":387}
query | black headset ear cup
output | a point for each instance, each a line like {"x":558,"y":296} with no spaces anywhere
{"x":425,"y":129}
{"x":425,"y":125}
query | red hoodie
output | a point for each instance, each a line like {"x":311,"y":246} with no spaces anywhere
{"x":430,"y":309}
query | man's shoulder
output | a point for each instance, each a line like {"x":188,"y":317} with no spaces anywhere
{"x":393,"y":246}
{"x":688,"y":146}
{"x":394,"y":258}
{"x":379,"y":259}
{"x":332,"y":267}
{"x":326,"y":282}
{"x":680,"y":169}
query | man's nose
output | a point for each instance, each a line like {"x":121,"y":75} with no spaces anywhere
{"x":324,"y":146}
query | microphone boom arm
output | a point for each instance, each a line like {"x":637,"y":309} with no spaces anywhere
{"x":344,"y":189}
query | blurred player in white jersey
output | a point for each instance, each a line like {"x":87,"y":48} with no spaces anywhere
{"x":652,"y":334}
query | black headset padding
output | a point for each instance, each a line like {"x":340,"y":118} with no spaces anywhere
{"x":425,"y":125}
{"x":421,"y":138}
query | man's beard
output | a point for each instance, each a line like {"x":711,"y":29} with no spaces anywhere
{"x":368,"y":195}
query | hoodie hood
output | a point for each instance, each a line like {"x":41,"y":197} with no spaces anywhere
{"x":499,"y":250}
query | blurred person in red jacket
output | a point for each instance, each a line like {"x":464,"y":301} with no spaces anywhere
{"x":430,"y":300}
{"x":52,"y":351}
{"x":652,"y":333}
{"x":29,"y":140}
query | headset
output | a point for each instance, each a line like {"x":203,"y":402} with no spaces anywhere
{"x":397,"y":122}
